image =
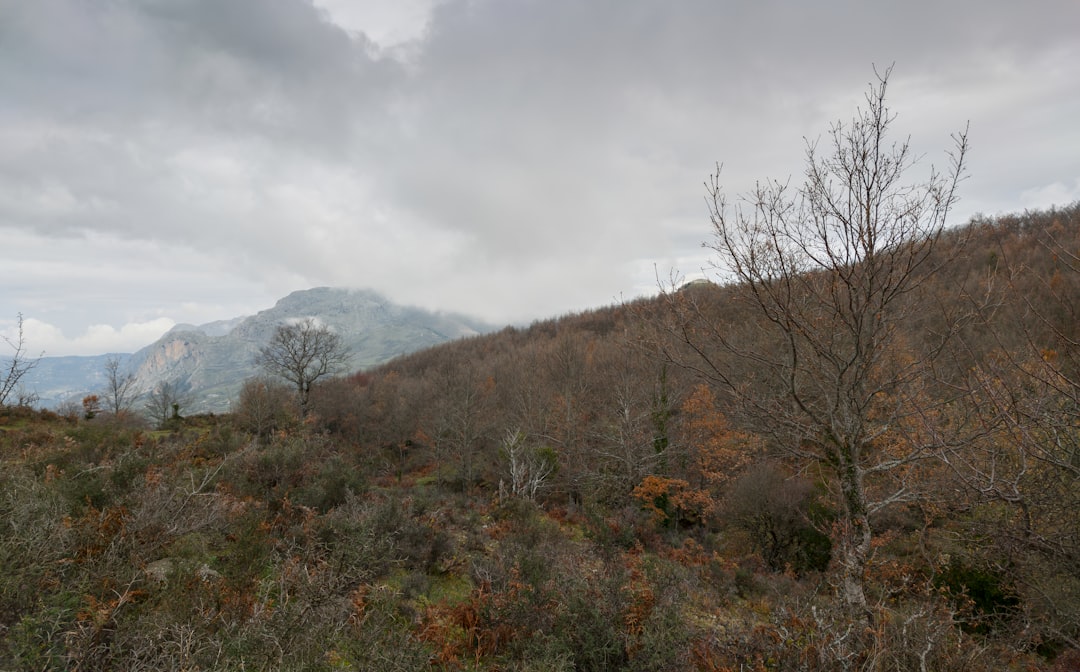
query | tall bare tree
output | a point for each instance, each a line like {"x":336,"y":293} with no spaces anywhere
{"x":119,"y":387}
{"x":460,"y":418}
{"x":18,"y":364}
{"x":825,"y":274}
{"x":302,"y":353}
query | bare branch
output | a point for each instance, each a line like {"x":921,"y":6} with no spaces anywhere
{"x":825,"y":275}
{"x":18,"y":364}
{"x":303,"y":353}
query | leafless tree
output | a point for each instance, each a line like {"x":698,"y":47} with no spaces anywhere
{"x":460,"y":417}
{"x":529,"y":465}
{"x":119,"y":387}
{"x":1029,"y":466}
{"x":164,"y":402}
{"x":18,"y":365}
{"x":302,"y":353}
{"x":826,"y":274}
{"x":263,"y":406}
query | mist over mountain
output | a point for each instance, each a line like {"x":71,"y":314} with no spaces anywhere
{"x":213,"y":360}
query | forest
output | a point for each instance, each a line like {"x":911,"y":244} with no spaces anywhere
{"x":579,"y":494}
{"x":856,"y":448}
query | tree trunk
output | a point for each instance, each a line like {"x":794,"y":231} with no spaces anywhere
{"x":854,"y":542}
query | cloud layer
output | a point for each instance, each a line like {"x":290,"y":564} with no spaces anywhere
{"x":513,"y":159}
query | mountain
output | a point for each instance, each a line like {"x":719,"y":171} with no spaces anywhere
{"x":58,"y":379}
{"x":214,"y":359}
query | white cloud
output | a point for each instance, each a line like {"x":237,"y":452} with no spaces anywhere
{"x":1057,"y":193}
{"x":96,"y":339}
{"x":388,"y":24}
{"x":195,"y":160}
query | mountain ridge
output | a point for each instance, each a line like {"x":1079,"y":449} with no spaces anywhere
{"x":212,"y":360}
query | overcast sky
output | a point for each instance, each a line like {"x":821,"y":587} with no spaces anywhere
{"x":167,"y":161}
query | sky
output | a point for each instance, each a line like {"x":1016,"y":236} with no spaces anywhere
{"x":185,"y":161}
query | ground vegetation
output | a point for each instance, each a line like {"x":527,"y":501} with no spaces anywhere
{"x":561,"y":497}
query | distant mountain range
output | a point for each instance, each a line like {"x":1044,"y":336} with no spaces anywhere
{"x":214,"y":359}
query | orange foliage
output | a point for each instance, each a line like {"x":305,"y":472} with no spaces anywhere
{"x":691,"y":554}
{"x":98,"y":528}
{"x":719,"y":451}
{"x":717,"y":454}
{"x":668,"y":498}
{"x":91,"y":406}
{"x":641,"y":603}
{"x":99,"y":612}
{"x":469,"y":630}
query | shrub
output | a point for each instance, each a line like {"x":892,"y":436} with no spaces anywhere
{"x":981,"y":592}
{"x":672,"y":501}
{"x":779,"y":512}
{"x":270,"y":474}
{"x":334,"y":482}
{"x":263,"y":407}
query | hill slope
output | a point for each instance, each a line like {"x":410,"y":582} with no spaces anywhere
{"x":554,"y":498}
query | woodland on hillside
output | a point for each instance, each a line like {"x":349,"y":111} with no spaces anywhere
{"x":862,"y":452}
{"x":570,"y":496}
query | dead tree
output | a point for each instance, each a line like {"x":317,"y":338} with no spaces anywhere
{"x":17,"y":366}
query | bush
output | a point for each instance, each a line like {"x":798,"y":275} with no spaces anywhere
{"x":263,"y":407}
{"x":334,"y":482}
{"x":780,"y":513}
{"x":270,"y":474}
{"x":983,"y":594}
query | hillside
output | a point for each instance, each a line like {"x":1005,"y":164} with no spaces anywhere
{"x":573,"y":495}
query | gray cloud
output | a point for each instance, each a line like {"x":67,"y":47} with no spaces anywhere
{"x":519,"y":159}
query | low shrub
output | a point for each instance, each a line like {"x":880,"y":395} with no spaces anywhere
{"x":982,"y":595}
{"x":782,"y":516}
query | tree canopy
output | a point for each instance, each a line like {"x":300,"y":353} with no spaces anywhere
{"x":302,"y":353}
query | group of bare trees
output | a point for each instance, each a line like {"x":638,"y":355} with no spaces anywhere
{"x":118,"y":396}
{"x":837,"y":348}
{"x":1026,"y":467}
{"x":162,"y":403}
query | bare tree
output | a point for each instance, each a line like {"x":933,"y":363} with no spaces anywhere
{"x":302,"y":353}
{"x":1028,"y":392}
{"x":263,"y":406}
{"x":164,"y":402}
{"x":460,"y":417}
{"x":529,"y":465}
{"x":825,"y":275}
{"x":17,"y":366}
{"x":119,"y":387}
